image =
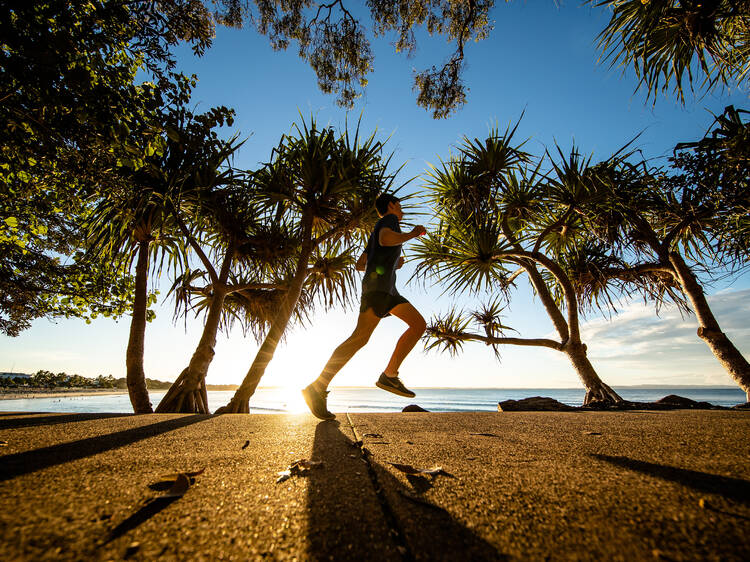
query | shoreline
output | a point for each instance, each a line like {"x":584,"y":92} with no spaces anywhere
{"x":26,"y":393}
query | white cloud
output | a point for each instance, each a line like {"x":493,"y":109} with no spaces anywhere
{"x":637,"y":346}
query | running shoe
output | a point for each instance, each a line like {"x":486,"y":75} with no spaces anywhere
{"x":394,"y":385}
{"x":316,"y":401}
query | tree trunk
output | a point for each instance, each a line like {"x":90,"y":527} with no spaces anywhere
{"x":596,"y":390}
{"x":558,"y":320}
{"x":709,"y":330}
{"x":136,"y":377}
{"x":571,"y":339}
{"x":188,"y":393}
{"x":240,"y":402}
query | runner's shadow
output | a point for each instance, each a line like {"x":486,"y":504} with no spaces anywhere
{"x":359,"y":510}
{"x":731,"y":488}
{"x":29,"y":461}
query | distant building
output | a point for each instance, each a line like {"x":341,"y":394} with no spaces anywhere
{"x":14,"y":375}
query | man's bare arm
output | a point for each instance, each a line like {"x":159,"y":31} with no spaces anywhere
{"x":361,"y":264}
{"x":388,"y":237}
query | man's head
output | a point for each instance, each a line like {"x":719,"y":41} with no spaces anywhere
{"x":388,"y":204}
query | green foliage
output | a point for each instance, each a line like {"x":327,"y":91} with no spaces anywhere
{"x":640,"y":216}
{"x":47,"y":379}
{"x":666,"y":40}
{"x":719,"y":166}
{"x":332,"y":38}
{"x":449,"y":331}
{"x":317,"y":191}
{"x":69,"y":113}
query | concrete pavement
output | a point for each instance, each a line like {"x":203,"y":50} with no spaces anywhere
{"x":519,"y":485}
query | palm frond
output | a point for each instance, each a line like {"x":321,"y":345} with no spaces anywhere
{"x":332,"y":278}
{"x":447,"y":332}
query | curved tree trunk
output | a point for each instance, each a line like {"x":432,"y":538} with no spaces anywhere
{"x":188,"y":393}
{"x":596,"y":390}
{"x":240,"y":402}
{"x":571,"y":338}
{"x":709,"y":330}
{"x":136,"y":377}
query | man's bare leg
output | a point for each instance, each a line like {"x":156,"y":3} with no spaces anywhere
{"x":366,"y":323}
{"x":407,"y":341}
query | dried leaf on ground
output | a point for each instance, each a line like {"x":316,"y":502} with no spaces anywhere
{"x":592,"y":433}
{"x":409,"y":469}
{"x":486,"y":434}
{"x":283,"y":475}
{"x":132,"y":549}
{"x":305,"y":464}
{"x":298,"y":468}
{"x":178,"y":489}
{"x":176,"y":475}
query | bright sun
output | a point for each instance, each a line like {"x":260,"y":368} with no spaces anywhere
{"x":293,"y":402}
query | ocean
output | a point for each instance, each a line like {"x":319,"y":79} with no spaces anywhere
{"x":280,"y":400}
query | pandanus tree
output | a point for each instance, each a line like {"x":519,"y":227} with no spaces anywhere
{"x":325,"y":184}
{"x":673,"y":228}
{"x":244,"y":251}
{"x":498,"y":219}
{"x":667,"y":40}
{"x":133,"y":222}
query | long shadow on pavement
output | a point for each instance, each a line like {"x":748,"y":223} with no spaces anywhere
{"x":30,"y":461}
{"x":352,"y":515}
{"x":32,"y":421}
{"x":731,"y":488}
{"x":149,"y":509}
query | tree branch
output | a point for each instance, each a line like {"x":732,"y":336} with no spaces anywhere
{"x":558,"y":223}
{"x":255,"y":286}
{"x":198,"y":250}
{"x":490,"y":340}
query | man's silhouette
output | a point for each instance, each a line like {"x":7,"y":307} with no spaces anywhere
{"x":381,"y":259}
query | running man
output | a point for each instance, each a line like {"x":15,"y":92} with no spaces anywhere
{"x":381,"y":259}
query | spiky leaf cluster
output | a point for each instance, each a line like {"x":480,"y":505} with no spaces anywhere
{"x":449,"y":331}
{"x":665,"y":41}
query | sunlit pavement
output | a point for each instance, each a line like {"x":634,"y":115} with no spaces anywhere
{"x":594,"y":485}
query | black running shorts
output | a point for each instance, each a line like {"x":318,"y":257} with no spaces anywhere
{"x":381,"y":302}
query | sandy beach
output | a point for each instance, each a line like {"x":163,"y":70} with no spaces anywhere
{"x":16,"y":393}
{"x":630,"y":485}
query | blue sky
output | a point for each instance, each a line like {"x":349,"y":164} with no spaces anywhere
{"x":541,"y":60}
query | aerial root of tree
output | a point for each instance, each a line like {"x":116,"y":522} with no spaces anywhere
{"x":184,"y":397}
{"x":601,"y":393}
{"x":235,"y":406}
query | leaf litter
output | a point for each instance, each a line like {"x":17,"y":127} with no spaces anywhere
{"x":298,"y":468}
{"x":409,"y":469}
{"x":176,"y":484}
